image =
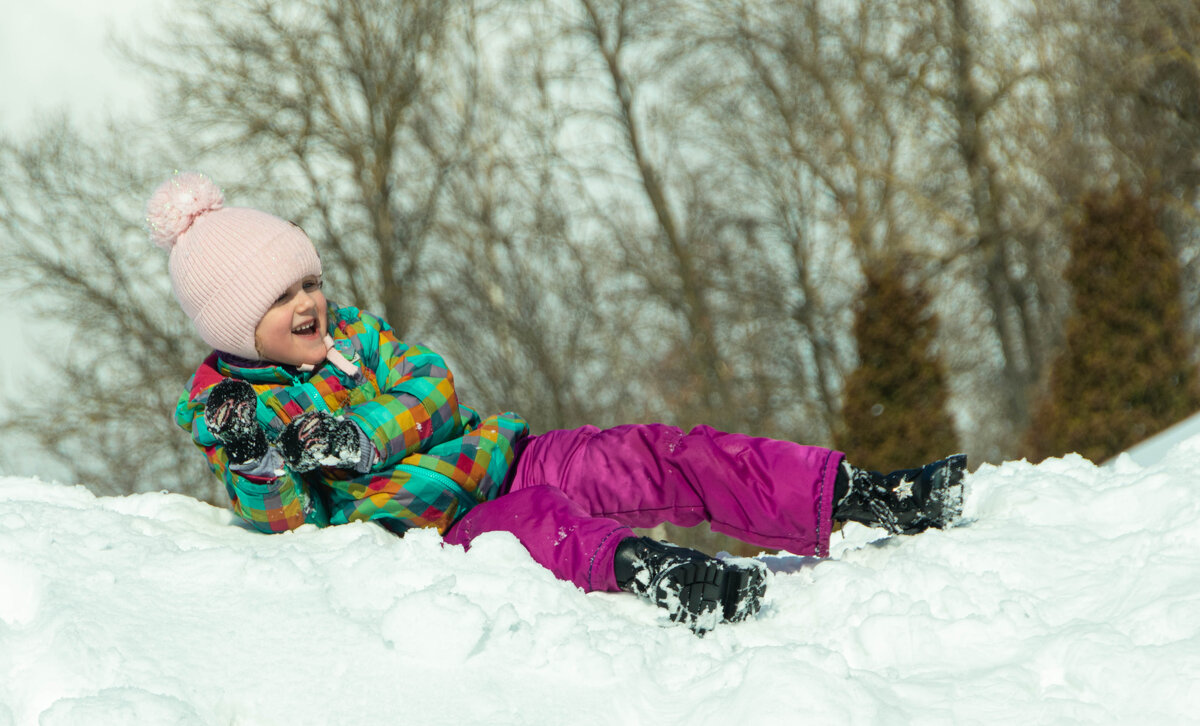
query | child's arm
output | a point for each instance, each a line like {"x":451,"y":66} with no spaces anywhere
{"x":417,"y":407}
{"x":261,"y":489}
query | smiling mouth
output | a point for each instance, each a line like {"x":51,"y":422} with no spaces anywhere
{"x":308,"y":328}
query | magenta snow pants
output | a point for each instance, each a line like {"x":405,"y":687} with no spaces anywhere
{"x":574,"y":494}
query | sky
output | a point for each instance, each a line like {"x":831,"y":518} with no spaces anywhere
{"x":54,"y":55}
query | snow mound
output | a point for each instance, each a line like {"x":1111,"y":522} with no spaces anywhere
{"x":1071,"y":595}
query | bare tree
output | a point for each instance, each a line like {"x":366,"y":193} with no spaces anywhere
{"x":539,"y":290}
{"x":352,"y":112}
{"x":871,"y":133}
{"x":816,"y":105}
{"x":74,"y":243}
{"x":363,"y":116}
{"x":651,"y":216}
{"x":383,"y":125}
{"x":606,"y":210}
{"x":989,"y":103}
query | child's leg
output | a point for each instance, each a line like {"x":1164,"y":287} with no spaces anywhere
{"x":598,"y":553}
{"x":559,"y":533}
{"x":771,"y":493}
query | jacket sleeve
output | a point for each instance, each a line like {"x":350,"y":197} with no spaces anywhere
{"x":277,"y":502}
{"x":270,"y":504}
{"x":417,"y":406}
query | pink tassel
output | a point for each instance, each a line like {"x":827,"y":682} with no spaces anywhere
{"x":338,"y":360}
{"x":334,"y":356}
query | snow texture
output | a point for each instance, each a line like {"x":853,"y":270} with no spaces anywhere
{"x":1072,"y":595}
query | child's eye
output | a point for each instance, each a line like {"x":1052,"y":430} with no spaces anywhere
{"x":311,"y":285}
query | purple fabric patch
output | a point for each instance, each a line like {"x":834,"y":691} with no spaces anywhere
{"x":574,"y":492}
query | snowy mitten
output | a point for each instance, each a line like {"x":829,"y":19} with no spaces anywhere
{"x":694,"y":588}
{"x":230,"y":416}
{"x":902,"y":502}
{"x":319,"y":439}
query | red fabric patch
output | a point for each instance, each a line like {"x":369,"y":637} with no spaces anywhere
{"x":207,"y":375}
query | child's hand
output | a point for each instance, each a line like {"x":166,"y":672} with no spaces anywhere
{"x":319,"y":439}
{"x":230,"y":416}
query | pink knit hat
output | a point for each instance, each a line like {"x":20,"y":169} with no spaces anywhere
{"x":228,"y":264}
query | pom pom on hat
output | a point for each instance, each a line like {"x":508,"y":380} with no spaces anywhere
{"x":177,"y":203}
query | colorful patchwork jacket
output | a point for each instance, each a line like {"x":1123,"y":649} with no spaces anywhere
{"x":434,"y":460}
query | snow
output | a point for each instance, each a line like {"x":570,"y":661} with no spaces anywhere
{"x":1071,"y":596}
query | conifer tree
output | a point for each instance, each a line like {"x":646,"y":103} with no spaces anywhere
{"x":894,"y":415}
{"x":1125,"y":372}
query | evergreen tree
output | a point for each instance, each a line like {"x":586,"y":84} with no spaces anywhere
{"x":1125,"y":372}
{"x":894,"y":415}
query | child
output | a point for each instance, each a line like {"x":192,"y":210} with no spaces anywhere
{"x":314,"y":412}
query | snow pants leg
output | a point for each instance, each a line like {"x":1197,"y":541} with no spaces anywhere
{"x":575,"y":493}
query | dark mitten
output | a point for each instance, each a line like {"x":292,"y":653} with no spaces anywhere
{"x":230,"y":416}
{"x":320,"y":439}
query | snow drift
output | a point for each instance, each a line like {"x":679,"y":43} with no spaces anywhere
{"x":1072,"y":595}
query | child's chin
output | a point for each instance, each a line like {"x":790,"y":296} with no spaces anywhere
{"x":311,"y":355}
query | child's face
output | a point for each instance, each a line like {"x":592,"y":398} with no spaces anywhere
{"x":293,"y":330}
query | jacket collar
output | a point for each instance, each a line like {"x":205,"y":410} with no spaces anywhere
{"x":256,"y":371}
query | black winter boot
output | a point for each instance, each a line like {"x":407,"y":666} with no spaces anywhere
{"x":903,"y":502}
{"x":696,"y":589}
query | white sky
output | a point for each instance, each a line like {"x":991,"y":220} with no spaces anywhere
{"x":55,"y":54}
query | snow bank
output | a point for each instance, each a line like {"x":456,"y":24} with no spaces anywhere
{"x":1072,"y":596}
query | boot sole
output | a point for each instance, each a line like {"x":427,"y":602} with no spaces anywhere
{"x":744,"y":590}
{"x":948,"y":492}
{"x":945,"y":503}
{"x":696,"y":592}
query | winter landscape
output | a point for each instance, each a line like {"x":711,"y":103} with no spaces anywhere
{"x":1070,"y":596}
{"x":1069,"y":593}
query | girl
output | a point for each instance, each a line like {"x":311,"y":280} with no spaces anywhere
{"x":313,"y":412}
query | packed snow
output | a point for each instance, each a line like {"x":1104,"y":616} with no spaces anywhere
{"x":1071,"y":595}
